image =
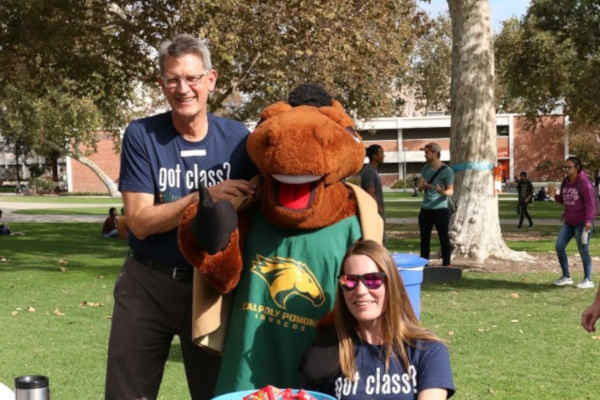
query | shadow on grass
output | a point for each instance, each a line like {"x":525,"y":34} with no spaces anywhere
{"x":79,"y":244}
{"x":490,"y":284}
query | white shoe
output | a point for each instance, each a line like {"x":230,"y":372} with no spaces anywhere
{"x":564,"y":280}
{"x":585,"y":284}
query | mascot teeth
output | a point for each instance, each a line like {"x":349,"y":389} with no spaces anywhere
{"x":296,"y":179}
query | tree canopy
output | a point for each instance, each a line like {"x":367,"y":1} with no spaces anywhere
{"x":432,"y":64}
{"x":73,"y":67}
{"x":549,"y":60}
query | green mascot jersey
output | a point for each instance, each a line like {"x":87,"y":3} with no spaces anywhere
{"x":288,"y":282}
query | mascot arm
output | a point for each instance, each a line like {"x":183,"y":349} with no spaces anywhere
{"x":214,"y":223}
{"x":210,"y":240}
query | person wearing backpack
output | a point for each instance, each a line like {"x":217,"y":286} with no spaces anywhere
{"x":438,"y":183}
{"x":577,"y":195}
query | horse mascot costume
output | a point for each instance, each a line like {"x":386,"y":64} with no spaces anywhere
{"x":268,"y":271}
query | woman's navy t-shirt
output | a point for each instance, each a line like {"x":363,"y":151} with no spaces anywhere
{"x":430,"y":369}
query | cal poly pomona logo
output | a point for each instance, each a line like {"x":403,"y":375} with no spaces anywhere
{"x":287,"y":277}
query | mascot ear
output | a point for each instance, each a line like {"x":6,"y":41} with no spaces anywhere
{"x":336,"y":113}
{"x":274,"y":110}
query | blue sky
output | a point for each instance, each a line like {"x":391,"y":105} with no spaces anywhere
{"x":501,"y":9}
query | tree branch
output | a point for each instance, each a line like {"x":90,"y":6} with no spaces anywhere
{"x":221,"y":99}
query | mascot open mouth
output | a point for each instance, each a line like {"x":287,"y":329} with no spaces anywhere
{"x":295,"y":192}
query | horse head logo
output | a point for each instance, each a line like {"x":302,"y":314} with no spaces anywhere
{"x":286,"y":277}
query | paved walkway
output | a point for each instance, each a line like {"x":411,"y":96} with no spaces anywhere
{"x":9,"y":216}
{"x":514,"y":222}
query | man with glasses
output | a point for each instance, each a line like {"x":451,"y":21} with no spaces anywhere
{"x":164,"y":157}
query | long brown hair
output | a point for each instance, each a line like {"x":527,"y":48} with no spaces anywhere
{"x":398,"y":320}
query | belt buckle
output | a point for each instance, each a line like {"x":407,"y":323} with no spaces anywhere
{"x":175,"y":270}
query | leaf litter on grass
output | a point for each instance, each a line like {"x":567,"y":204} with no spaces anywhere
{"x":84,"y":303}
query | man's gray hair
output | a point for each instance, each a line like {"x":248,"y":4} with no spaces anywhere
{"x":180,"y":46}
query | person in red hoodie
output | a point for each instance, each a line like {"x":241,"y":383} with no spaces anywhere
{"x":109,"y":229}
{"x":577,"y":195}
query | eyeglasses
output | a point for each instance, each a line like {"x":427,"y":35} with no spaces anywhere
{"x":173,"y":82}
{"x":372,"y":281}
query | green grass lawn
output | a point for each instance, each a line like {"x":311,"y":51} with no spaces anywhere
{"x":514,"y":336}
{"x":405,"y":238}
{"x":399,"y":207}
{"x":501,"y":346}
{"x":71,"y":348}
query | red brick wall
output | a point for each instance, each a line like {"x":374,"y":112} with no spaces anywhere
{"x":388,"y":179}
{"x":537,"y":152}
{"x":415,"y":145}
{"x":84,"y":179}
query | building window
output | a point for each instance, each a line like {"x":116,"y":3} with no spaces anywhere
{"x":502,"y":131}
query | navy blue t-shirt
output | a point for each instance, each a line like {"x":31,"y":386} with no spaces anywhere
{"x":156,"y":159}
{"x":429,"y":369}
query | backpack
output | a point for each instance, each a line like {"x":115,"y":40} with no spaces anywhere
{"x":596,"y":197}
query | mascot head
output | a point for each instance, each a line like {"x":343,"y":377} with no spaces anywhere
{"x":303,"y":149}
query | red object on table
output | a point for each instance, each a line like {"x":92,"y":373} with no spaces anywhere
{"x":272,"y":393}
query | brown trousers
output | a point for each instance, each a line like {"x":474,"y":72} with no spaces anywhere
{"x":150,"y":308}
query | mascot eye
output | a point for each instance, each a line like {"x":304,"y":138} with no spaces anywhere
{"x":353,"y":132}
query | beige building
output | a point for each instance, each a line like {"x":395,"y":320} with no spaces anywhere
{"x":518,"y":149}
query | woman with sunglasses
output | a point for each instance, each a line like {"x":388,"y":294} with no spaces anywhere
{"x":577,"y":195}
{"x":377,"y":348}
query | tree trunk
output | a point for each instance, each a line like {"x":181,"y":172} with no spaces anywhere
{"x":475,"y":228}
{"x":110,"y":185}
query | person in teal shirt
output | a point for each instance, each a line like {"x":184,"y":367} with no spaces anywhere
{"x":438,"y":184}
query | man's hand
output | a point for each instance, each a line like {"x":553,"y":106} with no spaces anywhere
{"x":439,"y":189}
{"x":587,"y":226}
{"x":590,"y":316}
{"x":231,"y":188}
{"x":427,"y":186}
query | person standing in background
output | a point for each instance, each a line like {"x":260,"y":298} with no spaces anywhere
{"x":577,"y":195}
{"x":370,"y":180}
{"x":498,"y":173}
{"x":415,"y":186}
{"x":437,"y":180}
{"x":525,"y":192}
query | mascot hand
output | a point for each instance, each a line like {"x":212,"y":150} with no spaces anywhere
{"x":214,"y":222}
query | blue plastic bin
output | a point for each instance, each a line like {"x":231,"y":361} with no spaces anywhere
{"x":240,"y":395}
{"x":411,"y":267}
